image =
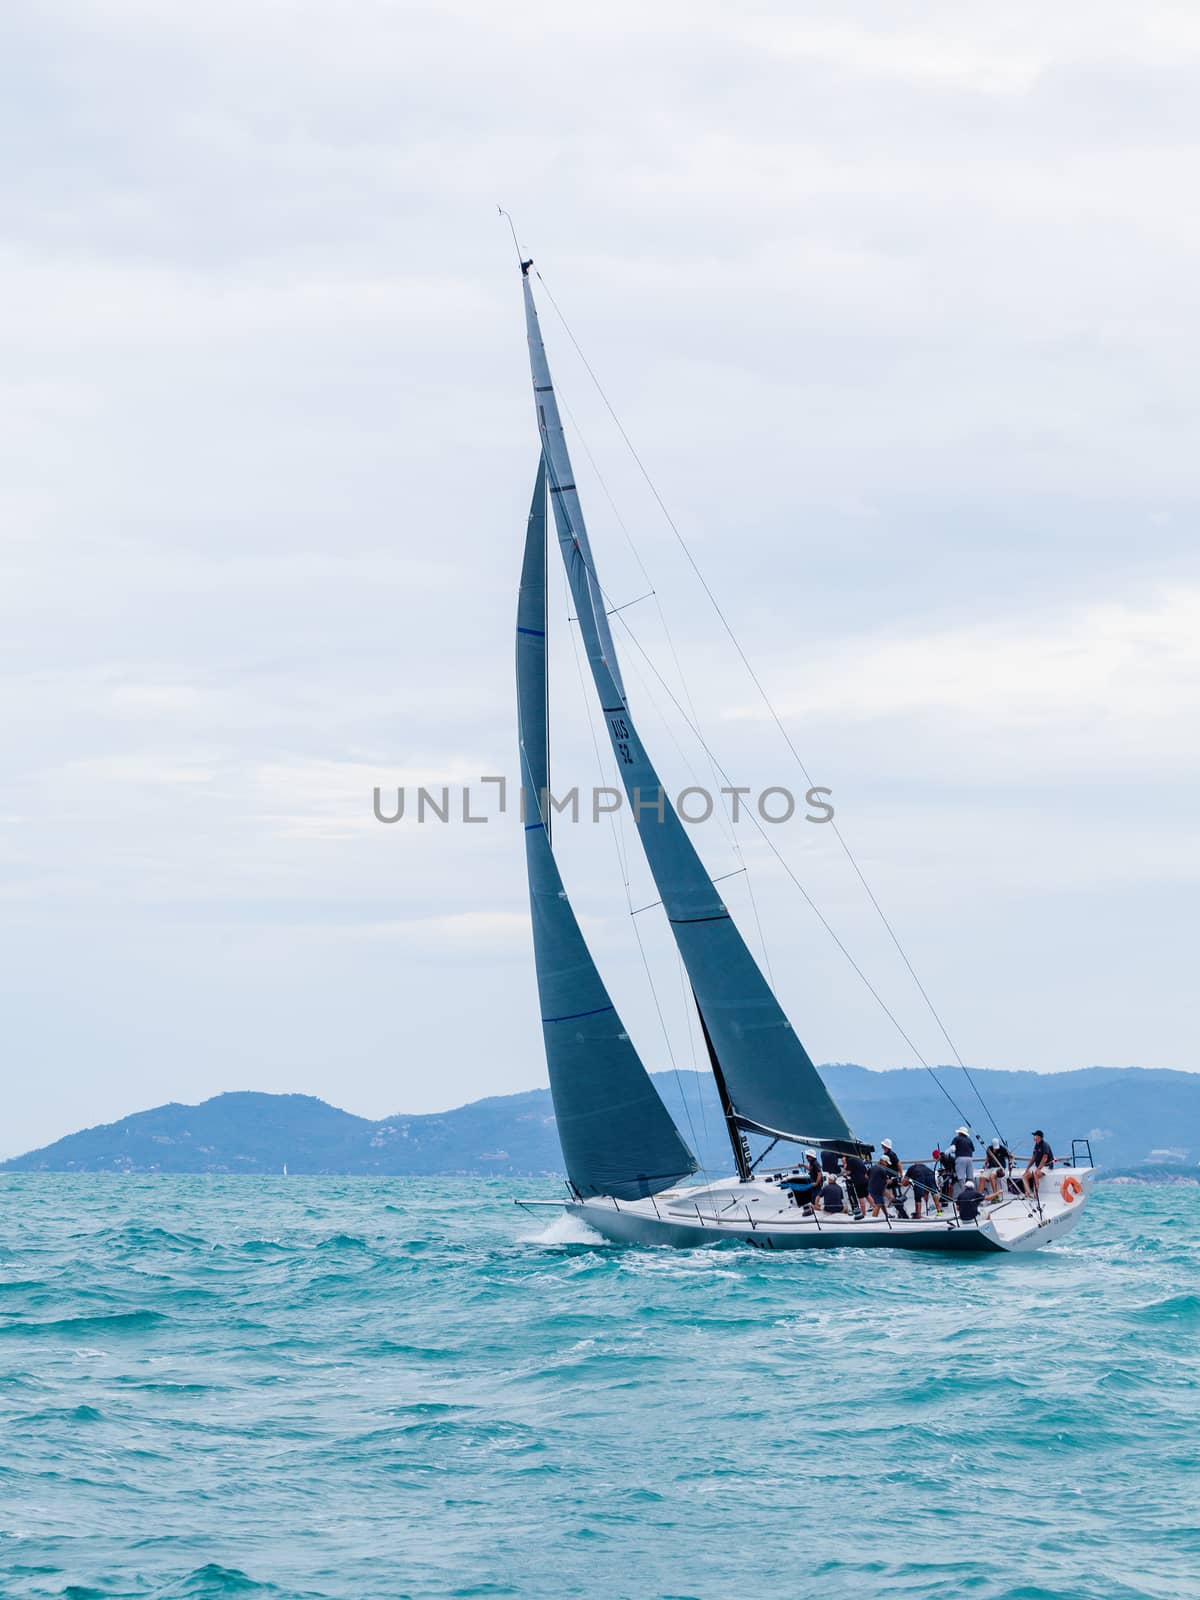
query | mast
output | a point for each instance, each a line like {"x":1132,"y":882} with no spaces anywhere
{"x":767,"y":1081}
{"x":737,"y":1139}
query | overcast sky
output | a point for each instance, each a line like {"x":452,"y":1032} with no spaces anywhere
{"x":898,"y":306}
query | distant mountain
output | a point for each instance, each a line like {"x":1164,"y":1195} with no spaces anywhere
{"x":1133,"y":1116}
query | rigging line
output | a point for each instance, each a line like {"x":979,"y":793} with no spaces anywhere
{"x":623,"y":864}
{"x":762,"y":938}
{"x":628,"y":603}
{"x":730,"y":827}
{"x":513,"y":230}
{"x":625,"y":607}
{"x":689,"y":1005}
{"x":766,"y":699}
{"x":735,"y":873}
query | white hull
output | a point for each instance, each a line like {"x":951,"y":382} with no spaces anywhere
{"x":759,"y":1214}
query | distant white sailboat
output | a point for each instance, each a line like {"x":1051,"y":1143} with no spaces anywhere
{"x":626,"y":1161}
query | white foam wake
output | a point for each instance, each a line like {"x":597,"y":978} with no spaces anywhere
{"x":565,"y":1229}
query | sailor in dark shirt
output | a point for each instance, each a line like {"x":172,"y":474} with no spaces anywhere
{"x":1040,"y":1161}
{"x":945,"y":1172}
{"x":814,"y":1169}
{"x":800,"y":1185}
{"x":832,"y":1198}
{"x":996,"y":1161}
{"x":968,"y":1202}
{"x":891,"y":1161}
{"x":877,"y":1182}
{"x":924,"y":1185}
{"x":855,"y":1169}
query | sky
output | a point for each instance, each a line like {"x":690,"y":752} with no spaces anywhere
{"x":896,"y":305}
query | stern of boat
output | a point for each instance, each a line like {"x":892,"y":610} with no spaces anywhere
{"x":1022,"y":1224}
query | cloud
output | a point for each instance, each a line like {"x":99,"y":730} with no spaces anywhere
{"x":899,"y":312}
{"x":1116,"y":677}
{"x":492,"y":932}
{"x":52,"y":301}
{"x":335,"y":800}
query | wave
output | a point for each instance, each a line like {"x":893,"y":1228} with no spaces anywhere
{"x":103,"y":1322}
{"x":1184,"y":1307}
{"x":71,"y":1415}
{"x":140,"y":1236}
{"x":213,"y":1582}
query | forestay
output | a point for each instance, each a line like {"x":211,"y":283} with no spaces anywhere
{"x":768,"y":1082}
{"x":617,"y":1136}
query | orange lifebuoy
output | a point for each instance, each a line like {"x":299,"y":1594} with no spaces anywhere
{"x":1071,"y":1188}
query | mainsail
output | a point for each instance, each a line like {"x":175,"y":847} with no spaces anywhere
{"x":617,"y":1136}
{"x":768,"y":1083}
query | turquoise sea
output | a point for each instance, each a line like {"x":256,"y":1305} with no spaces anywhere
{"x":348,"y":1389}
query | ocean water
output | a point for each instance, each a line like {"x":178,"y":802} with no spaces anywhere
{"x":364,"y":1390}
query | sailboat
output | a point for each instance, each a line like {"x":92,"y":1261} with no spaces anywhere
{"x":631,"y":1175}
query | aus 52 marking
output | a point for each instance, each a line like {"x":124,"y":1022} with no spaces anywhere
{"x":620,"y":733}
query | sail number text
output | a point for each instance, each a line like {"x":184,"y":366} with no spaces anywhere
{"x":620,"y":733}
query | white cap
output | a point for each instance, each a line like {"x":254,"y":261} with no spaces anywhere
{"x":886,"y":1144}
{"x":962,"y":1130}
{"x":810,"y":1155}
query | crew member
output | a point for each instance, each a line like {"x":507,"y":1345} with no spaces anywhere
{"x":963,"y":1147}
{"x":1040,"y":1161}
{"x":968,"y":1202}
{"x":877,"y":1182}
{"x":801,"y":1187}
{"x":832,"y":1198}
{"x":891,"y":1161}
{"x":924,"y":1186}
{"x":997,"y":1159}
{"x":945,"y":1172}
{"x":857,"y":1181}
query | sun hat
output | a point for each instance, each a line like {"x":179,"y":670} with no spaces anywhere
{"x":886,"y":1144}
{"x":962,"y":1130}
